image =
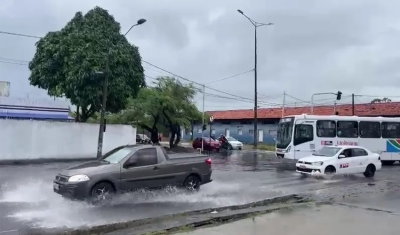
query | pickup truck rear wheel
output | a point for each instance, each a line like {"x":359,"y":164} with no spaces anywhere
{"x":192,"y":183}
{"x":101,"y":193}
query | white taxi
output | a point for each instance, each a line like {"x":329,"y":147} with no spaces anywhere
{"x":340,"y":160}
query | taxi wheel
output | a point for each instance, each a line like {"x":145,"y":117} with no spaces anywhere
{"x":370,"y":171}
{"x":330,"y":170}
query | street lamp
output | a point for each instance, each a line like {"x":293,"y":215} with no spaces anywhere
{"x":256,"y":25}
{"x":104,"y":102}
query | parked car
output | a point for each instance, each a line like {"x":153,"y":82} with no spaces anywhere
{"x":234,"y":143}
{"x":133,"y":167}
{"x":209,"y":144}
{"x":142,"y":139}
{"x":340,"y":160}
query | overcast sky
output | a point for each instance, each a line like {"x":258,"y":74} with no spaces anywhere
{"x":314,"y":46}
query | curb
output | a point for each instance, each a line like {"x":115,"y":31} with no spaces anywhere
{"x":104,"y":229}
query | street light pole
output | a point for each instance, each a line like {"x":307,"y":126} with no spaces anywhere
{"x":256,"y":25}
{"x":104,"y":101}
{"x":312,"y":98}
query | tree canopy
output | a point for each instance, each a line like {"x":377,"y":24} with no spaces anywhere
{"x":72,"y":62}
{"x":168,"y":103}
{"x":383,"y":100}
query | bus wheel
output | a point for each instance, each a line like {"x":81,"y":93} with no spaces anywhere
{"x":387,"y":163}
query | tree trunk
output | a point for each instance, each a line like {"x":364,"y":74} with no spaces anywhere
{"x":172,"y":138}
{"x":154,"y":135}
{"x":191,"y":131}
{"x":178,"y":135}
{"x":77,"y":114}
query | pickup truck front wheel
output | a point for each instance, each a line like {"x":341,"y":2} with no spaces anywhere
{"x":192,"y":183}
{"x":101,"y":193}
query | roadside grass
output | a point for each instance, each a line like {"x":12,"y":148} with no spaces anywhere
{"x":265,"y":147}
{"x":260,"y":146}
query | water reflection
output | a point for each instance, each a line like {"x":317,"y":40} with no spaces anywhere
{"x":248,"y":161}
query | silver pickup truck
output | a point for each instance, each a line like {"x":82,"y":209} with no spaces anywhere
{"x":133,"y":167}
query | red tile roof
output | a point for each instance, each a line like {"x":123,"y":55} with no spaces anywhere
{"x":368,"y":109}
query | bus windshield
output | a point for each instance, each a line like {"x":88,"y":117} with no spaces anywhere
{"x":284,"y":133}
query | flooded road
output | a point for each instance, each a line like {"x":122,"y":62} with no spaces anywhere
{"x":27,"y":199}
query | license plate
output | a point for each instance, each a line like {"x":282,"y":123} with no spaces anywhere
{"x":302,"y":166}
{"x":56,"y":186}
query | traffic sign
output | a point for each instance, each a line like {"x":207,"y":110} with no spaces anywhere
{"x":211,"y":118}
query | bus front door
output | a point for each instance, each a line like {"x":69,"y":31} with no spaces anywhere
{"x":303,"y":140}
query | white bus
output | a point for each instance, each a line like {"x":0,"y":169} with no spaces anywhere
{"x":299,"y":136}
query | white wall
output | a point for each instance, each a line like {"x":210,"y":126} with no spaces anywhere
{"x":29,"y":139}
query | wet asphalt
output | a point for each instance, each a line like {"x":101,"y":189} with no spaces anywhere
{"x":27,"y":199}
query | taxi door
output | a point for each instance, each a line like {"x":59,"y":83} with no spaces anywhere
{"x":346,"y":165}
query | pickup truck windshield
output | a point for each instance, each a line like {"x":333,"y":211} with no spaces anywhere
{"x":327,"y":152}
{"x":118,"y":155}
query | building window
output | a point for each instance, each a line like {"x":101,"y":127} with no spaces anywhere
{"x":213,"y":131}
{"x":226,"y":123}
{"x":199,"y":130}
{"x":251,"y":132}
{"x":272,"y":133}
{"x":240,"y":132}
{"x":326,"y":128}
{"x":245,"y":122}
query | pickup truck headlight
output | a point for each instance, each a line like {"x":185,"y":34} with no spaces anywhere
{"x":78,"y":178}
{"x":318,"y":163}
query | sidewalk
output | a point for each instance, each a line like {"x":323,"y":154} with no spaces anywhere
{"x":326,"y":220}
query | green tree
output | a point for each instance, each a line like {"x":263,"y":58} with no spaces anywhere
{"x":168,"y":103}
{"x":179,"y":109}
{"x":67,"y":63}
{"x":383,"y":100}
{"x":144,"y":111}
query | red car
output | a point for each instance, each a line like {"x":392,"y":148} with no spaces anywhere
{"x":208,"y":144}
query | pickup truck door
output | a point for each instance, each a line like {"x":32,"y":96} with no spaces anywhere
{"x":144,"y":173}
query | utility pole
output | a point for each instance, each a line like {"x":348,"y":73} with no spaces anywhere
{"x":202,"y":126}
{"x":255,"y":89}
{"x":283,"y":104}
{"x":104,"y":101}
{"x":256,"y":25}
{"x":352,"y":104}
{"x":334,"y":108}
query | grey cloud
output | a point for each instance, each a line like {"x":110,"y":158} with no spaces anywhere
{"x":314,"y":46}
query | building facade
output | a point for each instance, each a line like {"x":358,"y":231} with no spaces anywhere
{"x":35,"y":109}
{"x":239,"y":123}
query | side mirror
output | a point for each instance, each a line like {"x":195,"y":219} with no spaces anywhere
{"x":341,"y":156}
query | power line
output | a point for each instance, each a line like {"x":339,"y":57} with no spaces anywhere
{"x":20,"y":35}
{"x":222,"y":79}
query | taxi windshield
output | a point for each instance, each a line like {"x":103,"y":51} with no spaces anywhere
{"x":327,"y":152}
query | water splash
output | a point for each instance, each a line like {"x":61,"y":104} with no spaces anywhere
{"x":37,"y":204}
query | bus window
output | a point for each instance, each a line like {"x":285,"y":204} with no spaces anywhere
{"x":326,"y":128}
{"x":391,"y":130}
{"x":370,"y":129}
{"x":303,"y":133}
{"x":347,"y":129}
